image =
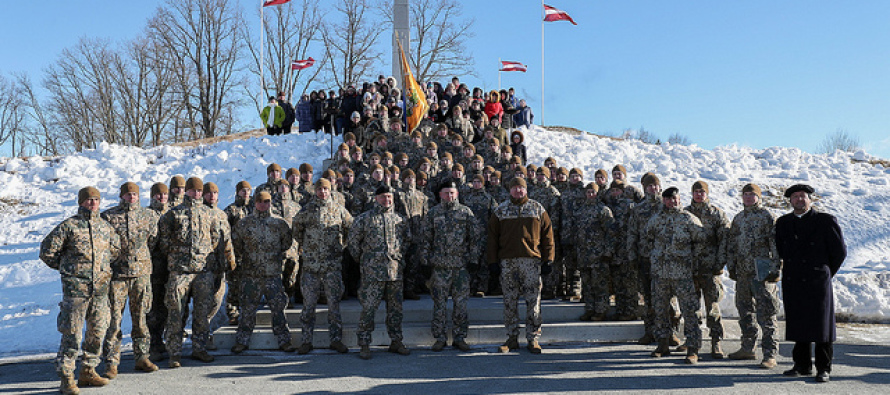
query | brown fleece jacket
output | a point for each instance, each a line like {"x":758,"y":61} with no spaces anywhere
{"x":519,"y":229}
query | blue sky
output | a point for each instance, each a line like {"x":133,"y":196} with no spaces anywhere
{"x":755,"y":73}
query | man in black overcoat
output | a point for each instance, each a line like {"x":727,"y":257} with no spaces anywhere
{"x":812,"y":247}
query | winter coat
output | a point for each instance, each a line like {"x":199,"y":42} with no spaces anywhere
{"x":261,"y":241}
{"x":524,"y":117}
{"x":494,"y":110}
{"x":138,"y":228}
{"x":290,"y":116}
{"x":520,"y":229}
{"x":813,"y":250}
{"x":81,"y":248}
{"x":277,"y":118}
{"x":304,"y":115}
{"x":320,"y":229}
{"x":190,"y":234}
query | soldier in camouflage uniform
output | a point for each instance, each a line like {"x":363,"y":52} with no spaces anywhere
{"x":709,"y":261}
{"x":287,"y":209}
{"x":261,"y":241}
{"x":177,"y":191}
{"x":752,"y":237}
{"x":292,"y":176}
{"x":673,"y":234}
{"x":273,"y":174}
{"x":305,"y":189}
{"x":624,"y":274}
{"x":412,"y":204}
{"x":378,"y":239}
{"x":496,"y":189}
{"x":482,"y":205}
{"x":550,"y":197}
{"x":638,"y":250}
{"x":156,"y":319}
{"x":601,"y":178}
{"x":320,"y":229}
{"x":450,"y":245}
{"x":242,"y":207}
{"x":572,"y":196}
{"x":211,"y":198}
{"x":131,"y":278}
{"x":189,"y":234}
{"x":82,"y":248}
{"x":520,"y":248}
{"x":619,"y":173}
{"x":589,"y":233}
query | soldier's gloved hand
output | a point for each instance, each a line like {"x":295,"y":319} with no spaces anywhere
{"x":718,"y":272}
{"x":773,"y":277}
{"x":546,"y":268}
{"x":473,"y":266}
{"x":494,"y":269}
{"x":732,"y":274}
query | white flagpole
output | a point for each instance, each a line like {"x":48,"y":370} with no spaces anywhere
{"x":262,"y":53}
{"x":499,"y":74}
{"x":543,"y":14}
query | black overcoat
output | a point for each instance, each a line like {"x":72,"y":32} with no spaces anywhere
{"x":812,"y":248}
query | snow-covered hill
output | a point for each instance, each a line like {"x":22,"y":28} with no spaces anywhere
{"x":35,"y":195}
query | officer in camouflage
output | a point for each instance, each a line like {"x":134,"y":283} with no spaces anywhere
{"x":638,"y":250}
{"x":672,"y":236}
{"x":273,"y":175}
{"x":752,"y":237}
{"x":211,"y":198}
{"x":379,"y":240}
{"x":412,"y":204}
{"x":709,"y":261}
{"x":261,"y":241}
{"x":571,"y":196}
{"x":82,"y":248}
{"x":320,"y":229}
{"x":157,"y":316}
{"x":450,"y":234}
{"x":549,"y":197}
{"x":591,"y":227}
{"x":482,"y":205}
{"x":241,"y":208}
{"x":137,"y":227}
{"x":625,"y":285}
{"x":177,"y":191}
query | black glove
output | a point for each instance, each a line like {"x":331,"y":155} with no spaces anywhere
{"x":718,"y":272}
{"x":494,"y":269}
{"x":773,"y":277}
{"x":473,"y":266}
{"x":732,"y":275}
{"x":546,"y":267}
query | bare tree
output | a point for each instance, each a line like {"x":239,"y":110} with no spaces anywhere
{"x":438,"y":38}
{"x":839,"y":140}
{"x":203,"y":37}
{"x":679,"y":139}
{"x":13,"y":109}
{"x":39,"y":131}
{"x":291,"y":30}
{"x":351,"y":42}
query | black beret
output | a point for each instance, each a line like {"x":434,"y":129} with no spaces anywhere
{"x":670,"y":192}
{"x":383,"y":189}
{"x":449,"y":183}
{"x":799,"y":187}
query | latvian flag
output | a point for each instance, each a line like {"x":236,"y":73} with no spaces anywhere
{"x":512,"y":66}
{"x":267,"y":3}
{"x":552,"y":14}
{"x":302,"y":64}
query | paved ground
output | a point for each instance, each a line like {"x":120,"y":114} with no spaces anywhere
{"x":862,"y":365}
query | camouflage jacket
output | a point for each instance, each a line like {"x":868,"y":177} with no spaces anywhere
{"x":224,"y":256}
{"x":238,"y":210}
{"x":621,"y":209}
{"x":498,"y":192}
{"x":573,"y":196}
{"x":549,"y":197}
{"x":81,"y":248}
{"x":637,"y":240}
{"x":174,"y":200}
{"x":672,"y":235}
{"x":591,"y":231}
{"x":752,"y":236}
{"x":320,"y":229}
{"x":287,"y":209}
{"x":261,"y":241}
{"x":378,"y":240}
{"x":412,"y":204}
{"x":352,"y":197}
{"x":450,"y":236}
{"x":158,"y":257}
{"x":306,"y":189}
{"x":138,"y":229}
{"x":268,"y":186}
{"x":631,"y":192}
{"x":158,"y":207}
{"x":710,"y":257}
{"x":482,"y":205}
{"x":189,"y":234}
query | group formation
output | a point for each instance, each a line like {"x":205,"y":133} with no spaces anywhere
{"x":446,"y":212}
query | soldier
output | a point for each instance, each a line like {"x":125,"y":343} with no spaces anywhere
{"x":709,"y":261}
{"x":378,"y":239}
{"x":189,"y":233}
{"x":619,"y":173}
{"x":496,"y":189}
{"x":305,"y":188}
{"x":672,"y":235}
{"x":321,"y":229}
{"x":293,"y":178}
{"x":242,"y":207}
{"x":624,"y":274}
{"x":413,"y":205}
{"x":482,"y":205}
{"x":137,"y":227}
{"x":285,"y":208}
{"x":157,"y":315}
{"x":450,"y":245}
{"x":638,"y":250}
{"x":589,"y":233}
{"x":520,"y":248}
{"x":211,"y":198}
{"x":273,"y":174}
{"x":753,"y":262}
{"x":572,"y":195}
{"x":177,"y":191}
{"x":261,"y":241}
{"x":82,"y":248}
{"x":549,"y":197}
{"x":601,"y":178}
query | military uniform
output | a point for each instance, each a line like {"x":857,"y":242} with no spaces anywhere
{"x":624,"y":278}
{"x":220,"y":268}
{"x":81,"y":248}
{"x":450,"y":243}
{"x":156,"y":319}
{"x":235,"y":212}
{"x":571,"y":196}
{"x":482,"y":205}
{"x":378,"y":239}
{"x":321,"y":229}
{"x":639,"y":258}
{"x":261,"y":242}
{"x":590,"y":230}
{"x":138,"y":230}
{"x":549,"y":197}
{"x":412,"y":204}
{"x":709,"y":262}
{"x":287,"y":209}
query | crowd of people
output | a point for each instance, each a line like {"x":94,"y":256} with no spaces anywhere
{"x":445,"y":210}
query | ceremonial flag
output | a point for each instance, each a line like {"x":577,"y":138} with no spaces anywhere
{"x":416,"y":105}
{"x":267,"y":3}
{"x":513,"y":66}
{"x":552,"y":14}
{"x":302,"y":64}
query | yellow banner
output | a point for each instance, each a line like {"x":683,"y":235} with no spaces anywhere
{"x":416,"y":104}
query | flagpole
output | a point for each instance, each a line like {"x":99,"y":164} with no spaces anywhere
{"x":262,"y":53}
{"x":543,"y":15}
{"x":499,"y":75}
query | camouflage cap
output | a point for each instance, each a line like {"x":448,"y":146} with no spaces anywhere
{"x":522,"y":170}
{"x":374,"y":155}
{"x":457,"y":167}
{"x":601,"y":172}
{"x":479,"y":177}
{"x":532,"y":168}
{"x":576,"y":170}
{"x":305,"y":168}
{"x":432,"y":144}
{"x":515,"y":159}
{"x":563,"y":171}
{"x":282,"y":182}
{"x":210,"y":187}
{"x":549,"y":161}
{"x":592,"y":185}
{"x":426,"y":160}
{"x":273,"y":167}
{"x":421,"y":175}
{"x":488,"y":168}
{"x":752,"y":188}
{"x":159,"y":188}
{"x":387,"y":155}
{"x":323,"y":183}
{"x":401,"y":156}
{"x":348,"y":171}
{"x":507,"y":149}
{"x":194,"y":183}
{"x":292,"y":172}
{"x":129,"y":187}
{"x":343,"y":146}
{"x":650,"y":180}
{"x":644,"y":176}
{"x":349,"y":136}
{"x":516,"y":181}
{"x":700,"y":185}
{"x":242,"y":185}
{"x":177,"y":182}
{"x":447,"y":155}
{"x":263,"y":196}
{"x":620,"y":168}
{"x":496,"y":174}
{"x":408,"y":173}
{"x":86,"y":193}
{"x":416,"y":133}
{"x":329,"y":173}
{"x":543,"y":171}
{"x":469,"y":146}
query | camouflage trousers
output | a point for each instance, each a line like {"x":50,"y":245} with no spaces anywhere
{"x":522,"y":276}
{"x":595,"y":282}
{"x":233,"y":296}
{"x":290,"y":278}
{"x":663,"y":289}
{"x":550,"y":282}
{"x":412,"y":274}
{"x":625,"y":285}
{"x":219,"y":297}
{"x":569,"y":283}
{"x":312,"y":284}
{"x":757,"y":299}
{"x":156,"y":320}
{"x":138,"y":291}
{"x":710,"y":288}
{"x":369,"y":295}
{"x":82,"y":301}
{"x":202,"y":288}
{"x":253,"y":291}
{"x":455,"y":283}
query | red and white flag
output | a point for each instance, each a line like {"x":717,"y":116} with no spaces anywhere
{"x":267,"y":3}
{"x":302,"y":64}
{"x":513,"y":66}
{"x":552,"y":14}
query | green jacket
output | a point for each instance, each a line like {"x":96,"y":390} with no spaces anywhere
{"x":279,"y":116}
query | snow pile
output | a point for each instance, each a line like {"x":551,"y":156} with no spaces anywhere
{"x":37,"y":194}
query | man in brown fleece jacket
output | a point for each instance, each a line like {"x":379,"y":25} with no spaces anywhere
{"x":520,"y":248}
